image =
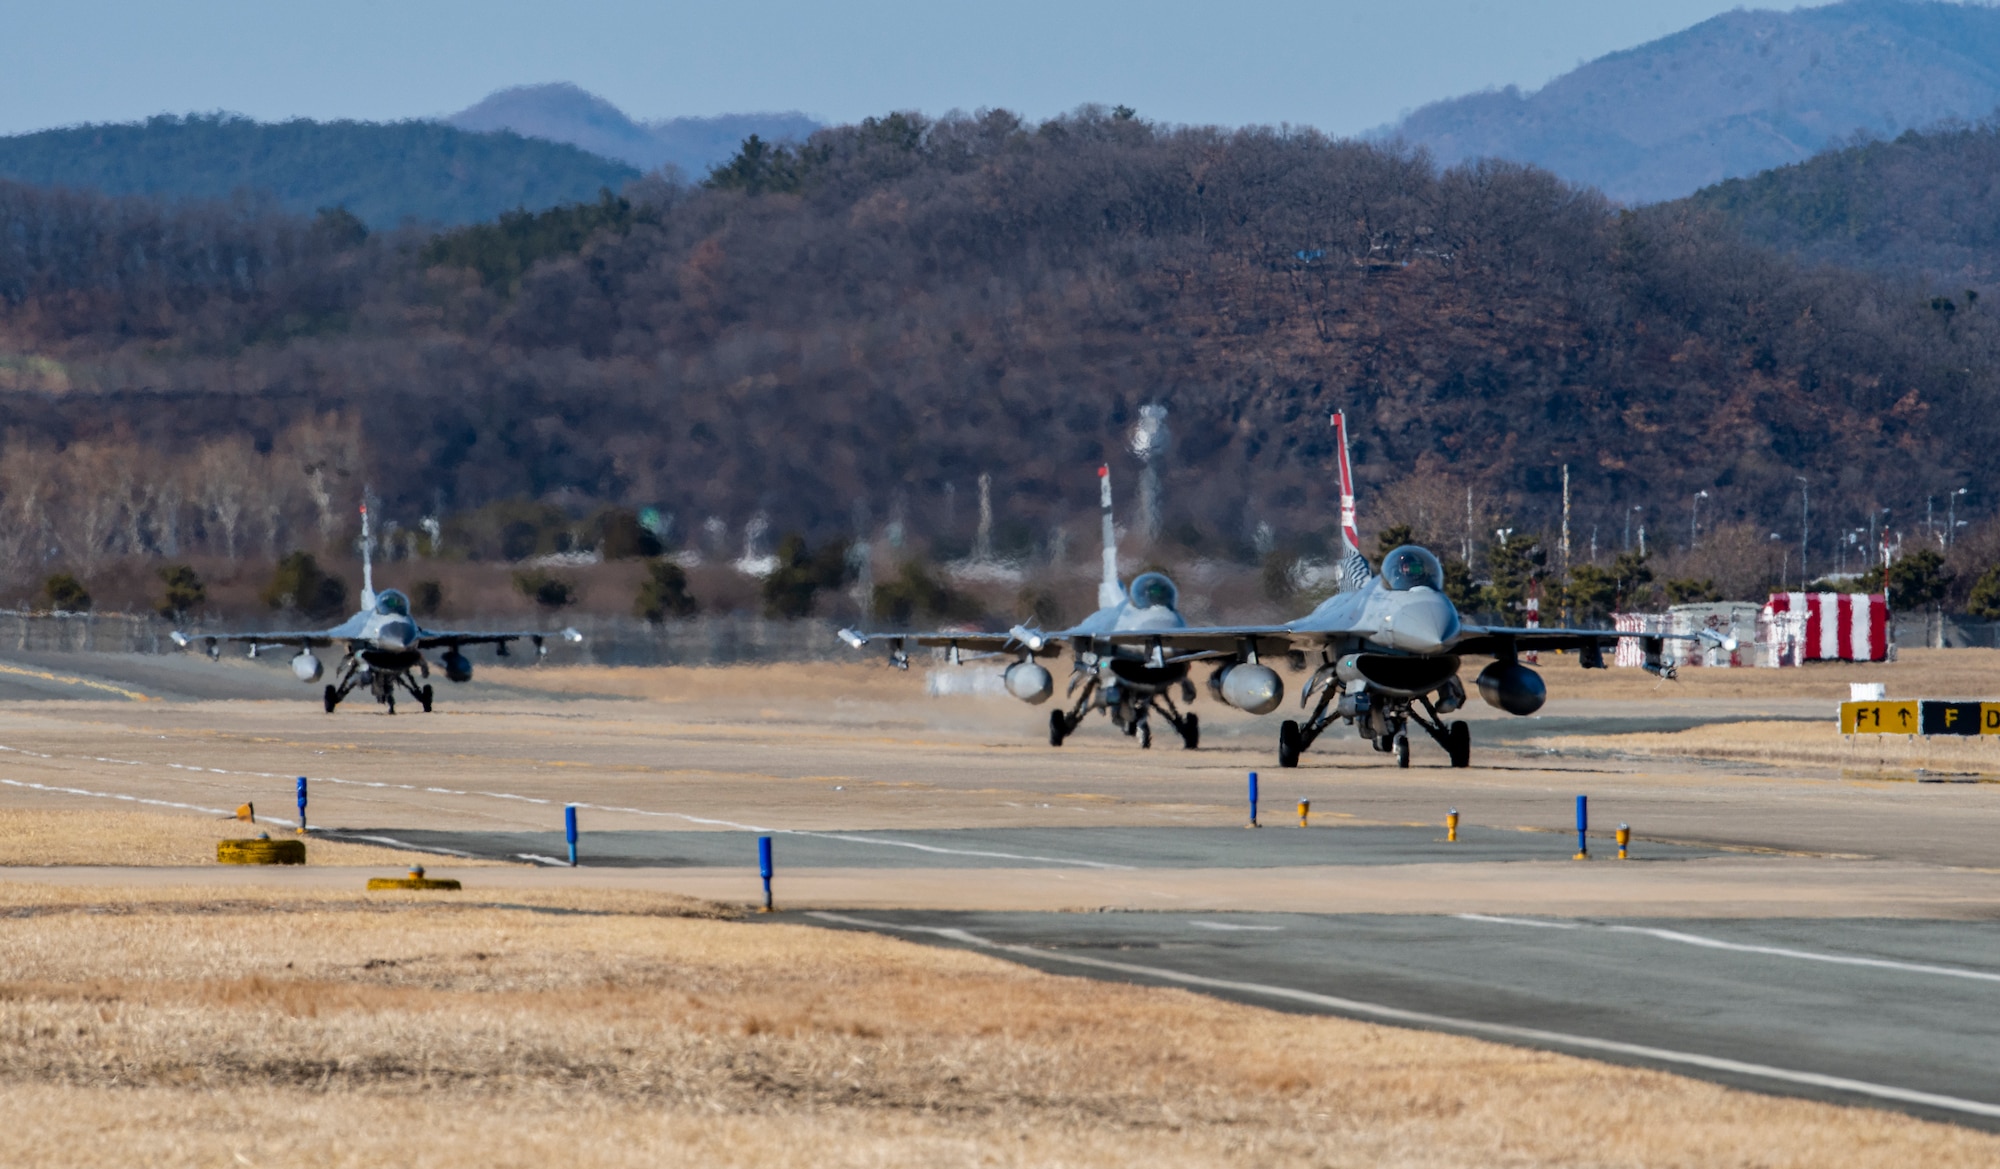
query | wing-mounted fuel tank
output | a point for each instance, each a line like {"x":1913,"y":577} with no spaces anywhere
{"x":1512,"y":687}
{"x":457,"y":666}
{"x":1247,"y":687}
{"x":1029,"y":682}
{"x":306,"y":667}
{"x":1398,"y":676}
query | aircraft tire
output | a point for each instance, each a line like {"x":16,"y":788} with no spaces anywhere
{"x":1402,"y":750}
{"x":1288,"y":744}
{"x":1058,"y":728}
{"x":424,"y":696}
{"x":1461,"y":744}
{"x":1145,"y":734}
{"x":1191,"y":732}
{"x":332,"y":699}
{"x":391,"y":700}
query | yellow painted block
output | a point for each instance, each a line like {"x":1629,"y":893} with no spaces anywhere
{"x":1879,"y":718}
{"x":1989,"y":718}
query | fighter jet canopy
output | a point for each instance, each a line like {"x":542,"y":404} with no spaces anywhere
{"x":390,"y":603}
{"x":1409,"y":566}
{"x":1150,"y":590}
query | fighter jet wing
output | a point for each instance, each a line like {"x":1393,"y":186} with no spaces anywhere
{"x":1195,"y":642}
{"x":1019,"y":639}
{"x":453,"y":639}
{"x":303,"y":639}
{"x":1485,"y":640}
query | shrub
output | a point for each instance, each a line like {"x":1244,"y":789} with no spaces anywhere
{"x":549,"y":591}
{"x":299,"y":583}
{"x":426,"y":598}
{"x":66,"y":594}
{"x":184,"y":590}
{"x":664,"y":593}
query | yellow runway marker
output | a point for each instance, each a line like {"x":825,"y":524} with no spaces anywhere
{"x":67,"y":680}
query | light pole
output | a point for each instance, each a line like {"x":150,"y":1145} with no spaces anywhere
{"x":1951,"y":517}
{"x":1694,"y":519}
{"x":1628,"y":523}
{"x":1805,"y":529}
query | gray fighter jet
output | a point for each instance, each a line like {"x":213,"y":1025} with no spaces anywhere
{"x":1389,"y":647}
{"x":384,"y":644}
{"x":1129,"y":682}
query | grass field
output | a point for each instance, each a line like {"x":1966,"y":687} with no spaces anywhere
{"x":62,"y":836}
{"x":621,"y":1029}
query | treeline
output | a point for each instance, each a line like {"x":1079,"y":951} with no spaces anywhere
{"x":1924,"y":205}
{"x":839,"y":338}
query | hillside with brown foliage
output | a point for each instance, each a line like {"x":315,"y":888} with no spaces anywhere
{"x":848,"y":333}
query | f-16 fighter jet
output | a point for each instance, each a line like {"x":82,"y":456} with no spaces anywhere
{"x":1389,"y":648}
{"x":1129,"y":682}
{"x":384,"y":644}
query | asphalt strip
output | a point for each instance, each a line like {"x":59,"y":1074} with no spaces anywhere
{"x":850,"y":838}
{"x":1502,"y":1031}
{"x":1687,"y":939}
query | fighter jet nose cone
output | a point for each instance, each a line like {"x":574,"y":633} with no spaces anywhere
{"x":1426,"y":622}
{"x":398,"y":633}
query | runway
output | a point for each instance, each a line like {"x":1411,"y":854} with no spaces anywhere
{"x":1889,"y":1013}
{"x":1009,"y":848}
{"x":1823,"y":962}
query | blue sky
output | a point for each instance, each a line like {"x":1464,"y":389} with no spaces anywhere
{"x":1339,"y":65}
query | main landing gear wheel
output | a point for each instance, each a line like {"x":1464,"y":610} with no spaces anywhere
{"x":424,"y":696}
{"x":391,"y":700}
{"x":1288,"y":744}
{"x":1191,"y":732}
{"x":1402,"y":750}
{"x":1460,"y":744}
{"x":1145,"y":734}
{"x":332,"y":699}
{"x":1058,"y":731}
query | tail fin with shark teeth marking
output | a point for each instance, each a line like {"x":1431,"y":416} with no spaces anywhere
{"x":1354,"y":570}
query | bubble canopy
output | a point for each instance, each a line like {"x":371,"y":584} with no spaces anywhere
{"x":390,"y":603}
{"x":1409,"y":566}
{"x":1150,"y":590}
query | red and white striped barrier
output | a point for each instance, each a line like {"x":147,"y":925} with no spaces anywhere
{"x":1827,"y":627}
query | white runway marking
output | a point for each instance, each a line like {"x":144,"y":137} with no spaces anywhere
{"x":1233,"y":927}
{"x":77,"y":791}
{"x":706,"y":821}
{"x":1473,"y":1026}
{"x":1687,"y":939}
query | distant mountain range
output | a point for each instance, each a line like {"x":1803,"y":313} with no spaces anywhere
{"x":1738,"y":94}
{"x":384,"y":173}
{"x":564,"y":113}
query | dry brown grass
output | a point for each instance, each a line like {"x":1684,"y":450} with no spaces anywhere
{"x":1917,"y":673}
{"x":61,"y":836}
{"x":1810,"y":744}
{"x":164,"y":1028}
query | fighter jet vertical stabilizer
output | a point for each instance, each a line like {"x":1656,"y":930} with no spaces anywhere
{"x":1110,"y":594}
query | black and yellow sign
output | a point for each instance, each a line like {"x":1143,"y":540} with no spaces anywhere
{"x":1923,"y":716}
{"x":1878,"y":718}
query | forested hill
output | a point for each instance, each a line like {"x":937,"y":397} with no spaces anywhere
{"x":383,"y":173}
{"x":1924,"y":205}
{"x":856,"y":329}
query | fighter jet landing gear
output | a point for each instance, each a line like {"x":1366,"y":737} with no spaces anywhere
{"x":1386,"y":724}
{"x":382,"y":685}
{"x":1456,"y":739}
{"x":1129,"y":713}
